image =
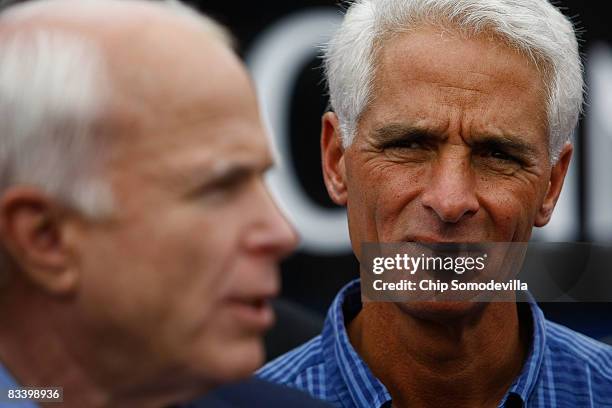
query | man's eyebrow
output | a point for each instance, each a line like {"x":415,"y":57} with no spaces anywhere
{"x":396,"y":131}
{"x":233,"y":168}
{"x":198,"y":173}
{"x":505,"y":143}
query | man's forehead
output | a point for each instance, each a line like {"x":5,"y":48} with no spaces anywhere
{"x":441,"y":54}
{"x":428,"y":78}
{"x":188,"y":161}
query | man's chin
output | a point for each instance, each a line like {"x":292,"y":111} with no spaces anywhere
{"x":239,"y":359}
{"x":441,"y":311}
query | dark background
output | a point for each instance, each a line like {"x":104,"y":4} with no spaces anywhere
{"x":312,"y":277}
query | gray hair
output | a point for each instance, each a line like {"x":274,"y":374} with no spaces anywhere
{"x":53,"y":88}
{"x":534,"y":27}
{"x":51,"y":91}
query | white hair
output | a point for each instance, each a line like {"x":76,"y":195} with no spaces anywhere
{"x":51,"y":91}
{"x":534,"y":27}
{"x":54,"y":86}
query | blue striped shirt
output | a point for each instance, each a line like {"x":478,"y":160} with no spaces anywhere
{"x":564,"y":369}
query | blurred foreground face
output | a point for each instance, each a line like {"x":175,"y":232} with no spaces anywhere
{"x":454,"y":146}
{"x":179,"y":277}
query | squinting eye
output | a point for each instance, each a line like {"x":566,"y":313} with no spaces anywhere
{"x":406,"y":144}
{"x":499,"y":155}
{"x":413,"y":145}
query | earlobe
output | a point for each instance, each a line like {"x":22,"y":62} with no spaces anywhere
{"x":30,"y":227}
{"x":332,"y":155}
{"x":555,"y":184}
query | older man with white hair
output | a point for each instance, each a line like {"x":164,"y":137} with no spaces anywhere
{"x":451,"y":123}
{"x":139,"y":245}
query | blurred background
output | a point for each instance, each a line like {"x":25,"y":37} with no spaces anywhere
{"x":280,"y":41}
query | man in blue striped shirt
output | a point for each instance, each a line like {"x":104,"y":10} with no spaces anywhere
{"x":561,"y":369}
{"x":451,"y":122}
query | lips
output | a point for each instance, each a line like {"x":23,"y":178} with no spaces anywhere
{"x":444,"y":247}
{"x":429,"y":239}
{"x":252,"y":312}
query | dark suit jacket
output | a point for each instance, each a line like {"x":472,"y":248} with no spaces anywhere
{"x":255,"y":393}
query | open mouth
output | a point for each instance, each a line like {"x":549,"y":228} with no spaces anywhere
{"x":258,"y":304}
{"x":253,"y":312}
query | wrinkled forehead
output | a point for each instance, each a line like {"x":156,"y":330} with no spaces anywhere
{"x":475,"y":49}
{"x":465,"y":69}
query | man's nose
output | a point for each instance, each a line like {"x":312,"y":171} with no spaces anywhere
{"x":450,"y":191}
{"x":271,"y":233}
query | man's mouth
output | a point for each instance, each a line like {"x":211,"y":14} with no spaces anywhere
{"x":252,"y":312}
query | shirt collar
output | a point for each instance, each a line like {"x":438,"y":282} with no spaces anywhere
{"x":353,"y":379}
{"x":525,"y":383}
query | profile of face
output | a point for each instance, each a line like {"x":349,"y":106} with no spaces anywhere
{"x":452,"y":148}
{"x":177,"y":280}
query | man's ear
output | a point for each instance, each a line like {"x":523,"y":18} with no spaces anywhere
{"x":31,"y":230}
{"x":332,"y":155}
{"x":557,"y":176}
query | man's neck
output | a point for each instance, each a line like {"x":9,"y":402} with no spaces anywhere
{"x":464,"y":362}
{"x":41,"y":350}
{"x":35,"y":352}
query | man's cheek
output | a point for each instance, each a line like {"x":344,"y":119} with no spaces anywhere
{"x":511,"y":218}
